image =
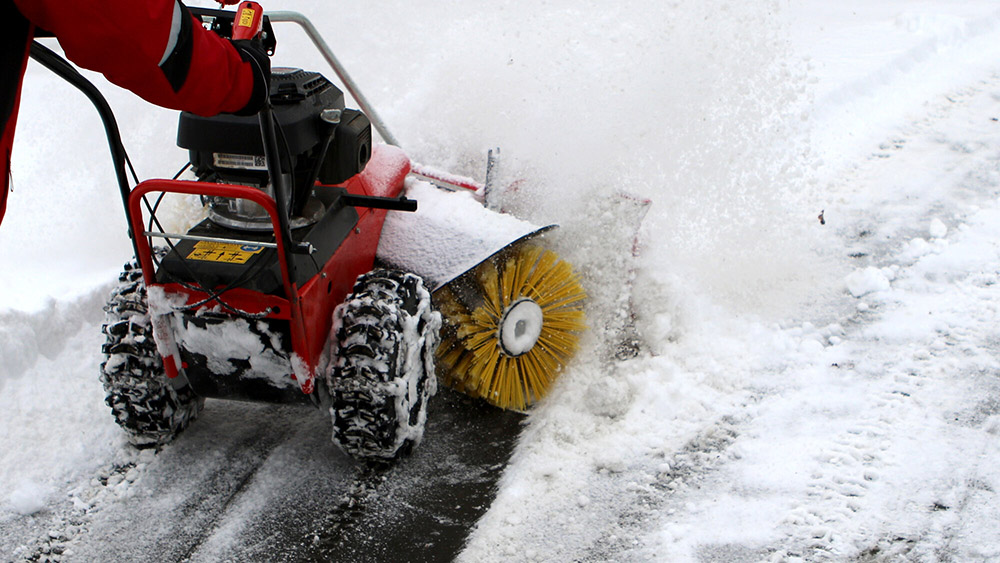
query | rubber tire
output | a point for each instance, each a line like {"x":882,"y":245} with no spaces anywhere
{"x":382,"y":373}
{"x":143,"y":401}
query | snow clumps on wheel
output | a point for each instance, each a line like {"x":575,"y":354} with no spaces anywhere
{"x":147,"y":405}
{"x":382,"y":372}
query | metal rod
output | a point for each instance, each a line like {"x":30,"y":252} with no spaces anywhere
{"x":352,"y":87}
{"x":440,"y":182}
{"x":210,"y":239}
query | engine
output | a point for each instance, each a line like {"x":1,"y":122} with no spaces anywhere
{"x":319,"y":141}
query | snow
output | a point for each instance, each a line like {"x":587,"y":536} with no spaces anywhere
{"x":803,"y":391}
{"x":867,"y":280}
{"x":29,"y":497}
{"x":521,"y":326}
{"x":447,"y":235}
{"x":220,"y":343}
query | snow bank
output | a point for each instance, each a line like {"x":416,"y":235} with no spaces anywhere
{"x":55,"y":426}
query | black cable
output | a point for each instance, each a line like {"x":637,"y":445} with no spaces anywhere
{"x":315,"y":263}
{"x":152,"y":212}
{"x":128,"y":162}
{"x":149,"y":226}
{"x":182,"y":170}
{"x":153,"y":220}
{"x":156,"y":206}
{"x":288,"y":155}
{"x":245,"y":277}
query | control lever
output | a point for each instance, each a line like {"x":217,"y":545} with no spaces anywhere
{"x":249,"y":21}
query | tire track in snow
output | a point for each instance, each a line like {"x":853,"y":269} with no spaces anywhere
{"x":831,"y":524}
{"x":851,"y":463}
{"x":904,"y":79}
{"x":947,"y":524}
{"x":678,"y":473}
{"x":250,"y":456}
{"x":948,"y":520}
{"x":168,"y":504}
{"x":978,"y":492}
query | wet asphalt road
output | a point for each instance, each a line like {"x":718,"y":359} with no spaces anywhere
{"x":250,"y":482}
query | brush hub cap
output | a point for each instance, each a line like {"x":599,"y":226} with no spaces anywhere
{"x":520,"y":327}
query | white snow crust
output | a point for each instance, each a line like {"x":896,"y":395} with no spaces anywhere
{"x":233,"y":340}
{"x":449,"y":234}
{"x":803,"y":391}
{"x":220,"y":343}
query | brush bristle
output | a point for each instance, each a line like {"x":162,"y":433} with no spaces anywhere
{"x":470,"y":358}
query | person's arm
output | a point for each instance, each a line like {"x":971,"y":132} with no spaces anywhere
{"x":154,"y":48}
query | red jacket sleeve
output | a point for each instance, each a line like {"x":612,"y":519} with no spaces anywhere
{"x":140,"y":45}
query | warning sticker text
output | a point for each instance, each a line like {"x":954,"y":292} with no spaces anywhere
{"x":230,"y":253}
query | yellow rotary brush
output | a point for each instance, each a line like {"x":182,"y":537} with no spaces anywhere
{"x":511,"y":327}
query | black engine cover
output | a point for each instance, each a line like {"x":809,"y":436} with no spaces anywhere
{"x":297,"y":97}
{"x":228,"y":148}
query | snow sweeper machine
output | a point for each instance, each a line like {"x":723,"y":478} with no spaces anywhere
{"x":315,"y":278}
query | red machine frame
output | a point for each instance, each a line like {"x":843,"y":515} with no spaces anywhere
{"x":309,"y":308}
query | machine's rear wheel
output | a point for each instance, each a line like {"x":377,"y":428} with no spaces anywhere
{"x":510,"y":326}
{"x":147,"y":405}
{"x":382,"y":372}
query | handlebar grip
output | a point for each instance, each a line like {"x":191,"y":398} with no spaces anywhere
{"x":249,"y":21}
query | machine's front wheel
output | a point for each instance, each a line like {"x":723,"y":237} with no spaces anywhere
{"x":147,"y":405}
{"x":382,"y":370}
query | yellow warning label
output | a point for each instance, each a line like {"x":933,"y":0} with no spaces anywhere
{"x":246,"y":17}
{"x":227,"y":252}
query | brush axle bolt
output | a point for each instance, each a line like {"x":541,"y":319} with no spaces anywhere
{"x":520,"y":327}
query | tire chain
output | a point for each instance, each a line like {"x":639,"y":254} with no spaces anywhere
{"x":366,"y":380}
{"x":142,"y":400}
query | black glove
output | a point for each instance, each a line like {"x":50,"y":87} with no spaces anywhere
{"x":253,"y":52}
